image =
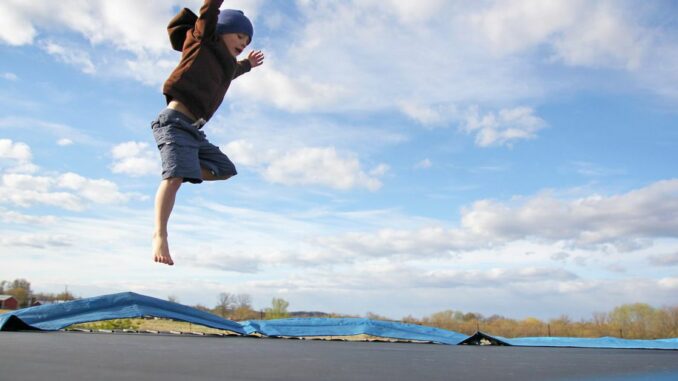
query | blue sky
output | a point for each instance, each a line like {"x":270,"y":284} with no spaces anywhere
{"x":512,"y":157}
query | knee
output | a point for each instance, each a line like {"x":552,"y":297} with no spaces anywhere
{"x":174,"y":182}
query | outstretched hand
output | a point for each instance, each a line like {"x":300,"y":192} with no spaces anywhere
{"x":256,"y":58}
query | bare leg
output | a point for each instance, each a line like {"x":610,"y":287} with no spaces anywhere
{"x":164,"y":202}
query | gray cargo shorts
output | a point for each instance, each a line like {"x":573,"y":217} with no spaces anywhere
{"x":184,"y":149}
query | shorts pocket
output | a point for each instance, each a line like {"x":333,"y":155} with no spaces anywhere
{"x":172,"y":135}
{"x":161,"y":135}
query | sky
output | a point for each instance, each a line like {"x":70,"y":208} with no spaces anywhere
{"x":512,"y":157}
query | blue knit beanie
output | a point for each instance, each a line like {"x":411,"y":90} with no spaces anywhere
{"x":234,"y":21}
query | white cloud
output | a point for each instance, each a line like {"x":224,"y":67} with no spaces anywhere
{"x":290,"y":92}
{"x":64,"y":142}
{"x":606,"y":38}
{"x":70,"y":55}
{"x":511,"y":26}
{"x":266,"y":254}
{"x":593,"y":170}
{"x":338,"y":74}
{"x":147,"y":69}
{"x":626,"y":222}
{"x":560,"y":256}
{"x":60,"y":131}
{"x":503,"y":128}
{"x":319,"y":166}
{"x":259,"y":133}
{"x":425,"y":242}
{"x":243,"y":152}
{"x":405,"y":12}
{"x":18,"y":155}
{"x":135,"y":159}
{"x":240,"y":239}
{"x":579,"y":32}
{"x":238,"y":260}
{"x":668,"y":283}
{"x":403,"y":277}
{"x":129,"y":25}
{"x":394,"y":57}
{"x":9,"y":76}
{"x":27,"y":190}
{"x":136,"y":32}
{"x":616,"y":268}
{"x":98,"y":191}
{"x":68,"y":191}
{"x":485,"y":52}
{"x":492,"y":277}
{"x":664,"y":259}
{"x":15,"y":31}
{"x":428,"y":115}
{"x":39,"y":241}
{"x":379,"y":170}
{"x":23,"y":167}
{"x":14,"y":151}
{"x":15,"y":217}
{"x":308,"y":166}
{"x":424,"y":164}
{"x":491,"y":129}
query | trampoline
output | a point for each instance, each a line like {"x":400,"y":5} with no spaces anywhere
{"x":33,"y":348}
{"x":119,"y":356}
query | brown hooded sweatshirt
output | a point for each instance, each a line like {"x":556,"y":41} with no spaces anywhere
{"x":206,"y":69}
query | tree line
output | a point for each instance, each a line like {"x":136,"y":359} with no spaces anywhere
{"x":631,"y":321}
{"x":238,"y":307}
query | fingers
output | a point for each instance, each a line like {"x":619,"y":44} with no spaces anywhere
{"x":256,"y":58}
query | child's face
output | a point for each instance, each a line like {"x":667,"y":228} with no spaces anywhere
{"x":235,"y":42}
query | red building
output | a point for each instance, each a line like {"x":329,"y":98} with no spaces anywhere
{"x":8,"y":302}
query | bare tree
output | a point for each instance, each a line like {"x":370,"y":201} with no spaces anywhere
{"x":243,"y":308}
{"x":225,"y":305}
{"x":243,"y":300}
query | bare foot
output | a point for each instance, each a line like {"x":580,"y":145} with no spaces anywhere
{"x":161,"y":250}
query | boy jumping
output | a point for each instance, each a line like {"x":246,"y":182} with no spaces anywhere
{"x":195,"y":89}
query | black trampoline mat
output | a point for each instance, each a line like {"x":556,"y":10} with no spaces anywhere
{"x":119,"y":356}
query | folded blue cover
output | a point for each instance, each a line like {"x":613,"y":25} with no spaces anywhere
{"x":301,"y":327}
{"x":599,"y":342}
{"x":52,"y":317}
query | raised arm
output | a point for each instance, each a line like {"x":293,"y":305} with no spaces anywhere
{"x":241,"y":68}
{"x":206,"y":25}
{"x":254,"y":59}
